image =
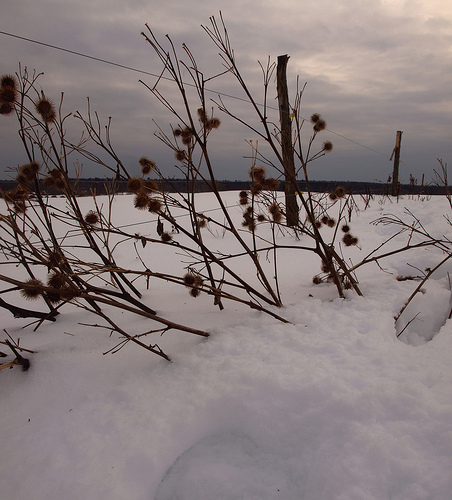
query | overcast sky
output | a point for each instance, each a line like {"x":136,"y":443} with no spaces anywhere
{"x":372,"y":67}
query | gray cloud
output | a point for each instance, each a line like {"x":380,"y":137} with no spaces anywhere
{"x":372,"y":68}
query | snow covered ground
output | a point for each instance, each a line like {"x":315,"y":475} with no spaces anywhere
{"x":332,"y":406}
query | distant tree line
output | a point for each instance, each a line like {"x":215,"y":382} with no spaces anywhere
{"x":86,"y":187}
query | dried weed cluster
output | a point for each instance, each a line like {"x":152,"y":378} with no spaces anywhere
{"x":88,"y":275}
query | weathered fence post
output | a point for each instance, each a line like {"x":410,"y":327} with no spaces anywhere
{"x":286,"y":142}
{"x":395,"y":172}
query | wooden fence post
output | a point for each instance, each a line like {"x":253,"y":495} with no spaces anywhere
{"x":286,"y":142}
{"x":395,"y":172}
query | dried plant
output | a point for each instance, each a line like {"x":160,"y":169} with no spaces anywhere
{"x":89,"y":276}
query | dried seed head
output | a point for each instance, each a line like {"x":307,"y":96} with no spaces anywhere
{"x":189,"y":279}
{"x":316,"y":280}
{"x":154,"y":205}
{"x":260,"y":218}
{"x":194,"y":292}
{"x":61,"y":288}
{"x":29,"y":170}
{"x":166,"y":237}
{"x":202,"y":115}
{"x":141,"y":201}
{"x":275,"y":212}
{"x":55,"y":259}
{"x":270,"y":184}
{"x":33,"y":289}
{"x":345,"y":228}
{"x":198,"y":281}
{"x":8,"y":94}
{"x":134,"y":184}
{"x":274,"y":208}
{"x":54,"y":180}
{"x":331,"y":222}
{"x":213,"y":123}
{"x":149,"y":185}
{"x":277,"y":217}
{"x":8,"y":81}
{"x":243,"y":197}
{"x":6,"y":108}
{"x":146,"y":165}
{"x":56,"y":280}
{"x":349,"y":240}
{"x":325,"y":219}
{"x":257,"y":174}
{"x":202,"y":222}
{"x":319,"y":125}
{"x":248,"y":218}
{"x":186,"y":135}
{"x":55,"y":174}
{"x":180,"y":155}
{"x":327,"y":146}
{"x":340,"y":191}
{"x":251,"y":225}
{"x":35,"y":166}
{"x":92,"y":218}
{"x":315,"y":118}
{"x":256,"y":188}
{"x":46,"y":109}
{"x":54,"y":297}
{"x":333,"y":196}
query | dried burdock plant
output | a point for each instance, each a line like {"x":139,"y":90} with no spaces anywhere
{"x":8,"y":94}
{"x":349,"y":240}
{"x":46,"y":109}
{"x":243,"y":197}
{"x":166,"y":237}
{"x":8,"y":81}
{"x":92,"y":218}
{"x":319,"y":123}
{"x":180,"y":155}
{"x":32,"y":289}
{"x":29,"y":170}
{"x":149,"y":185}
{"x":194,"y":283}
{"x":257,"y":174}
{"x":32,"y":241}
{"x":147,"y":166}
{"x":154,"y":205}
{"x":275,"y":212}
{"x":134,"y":184}
{"x":202,"y":221}
{"x":141,"y":201}
{"x":6,"y":108}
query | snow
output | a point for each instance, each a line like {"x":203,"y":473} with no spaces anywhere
{"x":330,"y":406}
